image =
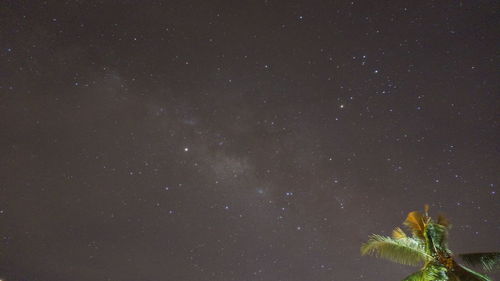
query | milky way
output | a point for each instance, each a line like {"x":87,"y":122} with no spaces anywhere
{"x":241,"y":140}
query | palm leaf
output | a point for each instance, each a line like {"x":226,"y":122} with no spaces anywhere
{"x":398,"y":233}
{"x":488,"y":261}
{"x":462,"y":273}
{"x":431,"y":272}
{"x":435,"y":272}
{"x":438,"y":236}
{"x":416,"y":223}
{"x":417,"y":276}
{"x":408,"y":251}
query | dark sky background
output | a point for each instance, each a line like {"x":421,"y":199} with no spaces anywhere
{"x":241,"y":140}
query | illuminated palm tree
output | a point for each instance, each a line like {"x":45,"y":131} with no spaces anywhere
{"x":427,"y":247}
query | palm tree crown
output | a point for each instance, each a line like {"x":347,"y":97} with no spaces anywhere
{"x":427,"y":246}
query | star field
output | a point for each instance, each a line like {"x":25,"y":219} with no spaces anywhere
{"x":241,"y":140}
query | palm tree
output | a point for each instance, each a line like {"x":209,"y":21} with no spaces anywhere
{"x":427,"y":247}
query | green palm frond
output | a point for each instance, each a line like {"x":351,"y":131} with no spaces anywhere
{"x":428,"y":246}
{"x":434,"y":272}
{"x":408,"y":251}
{"x":462,"y":273}
{"x":488,"y":261}
{"x":429,"y":273}
{"x":417,"y":276}
{"x":438,"y":236}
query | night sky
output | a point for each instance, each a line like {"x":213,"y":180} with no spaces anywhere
{"x":241,"y":140}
